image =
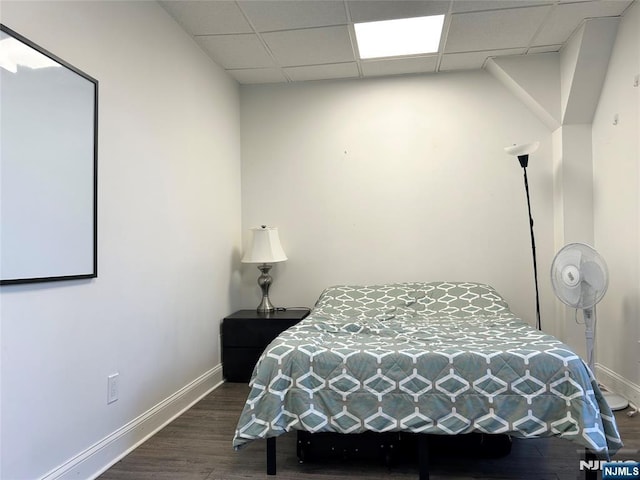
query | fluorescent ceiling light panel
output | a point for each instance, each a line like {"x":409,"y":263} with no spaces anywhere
{"x":405,"y":36}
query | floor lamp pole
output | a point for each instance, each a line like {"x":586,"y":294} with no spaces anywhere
{"x":533,"y":249}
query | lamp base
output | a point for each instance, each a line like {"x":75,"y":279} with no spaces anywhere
{"x":265,"y":306}
{"x":264,"y":281}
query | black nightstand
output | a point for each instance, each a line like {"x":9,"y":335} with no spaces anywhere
{"x":246,"y":333}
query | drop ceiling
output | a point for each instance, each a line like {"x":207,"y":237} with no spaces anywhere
{"x":275,"y":41}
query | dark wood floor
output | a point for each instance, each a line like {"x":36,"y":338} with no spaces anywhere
{"x":197,"y":446}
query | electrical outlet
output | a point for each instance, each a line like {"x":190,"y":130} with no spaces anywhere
{"x":112,"y":387}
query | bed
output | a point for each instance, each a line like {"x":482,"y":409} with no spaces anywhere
{"x":444,"y":358}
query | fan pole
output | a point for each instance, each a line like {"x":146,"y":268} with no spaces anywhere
{"x":533,"y":249}
{"x":589,"y":326}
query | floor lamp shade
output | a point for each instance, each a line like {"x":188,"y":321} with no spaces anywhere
{"x":264,"y":249}
{"x":522,"y":152}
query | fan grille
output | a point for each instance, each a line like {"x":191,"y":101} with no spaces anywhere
{"x":579,"y":275}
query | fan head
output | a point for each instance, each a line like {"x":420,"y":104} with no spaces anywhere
{"x":579,"y":275}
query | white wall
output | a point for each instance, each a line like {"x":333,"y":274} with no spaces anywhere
{"x":616,"y":156}
{"x":397,"y":179}
{"x":573,"y":210}
{"x":169,"y":238}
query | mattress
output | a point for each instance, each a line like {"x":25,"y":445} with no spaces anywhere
{"x":442,"y":358}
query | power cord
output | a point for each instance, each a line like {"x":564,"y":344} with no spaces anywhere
{"x":284,"y":309}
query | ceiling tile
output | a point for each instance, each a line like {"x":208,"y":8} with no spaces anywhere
{"x":236,"y":51}
{"x":258,"y":75}
{"x":480,"y":5}
{"x":200,"y":18}
{"x":396,"y":66}
{"x":473,"y":60}
{"x":374,"y":10}
{"x":310,"y":46}
{"x":567,"y":17}
{"x":271,"y":15}
{"x":322,"y":72}
{"x":494,"y":30}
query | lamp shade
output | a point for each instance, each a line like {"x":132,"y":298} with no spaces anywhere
{"x":523,"y":149}
{"x":265,"y":246}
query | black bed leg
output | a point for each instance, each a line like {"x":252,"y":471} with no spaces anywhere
{"x":590,"y":474}
{"x":423,"y":457}
{"x":271,"y":456}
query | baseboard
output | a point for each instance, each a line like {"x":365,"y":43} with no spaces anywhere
{"x":99,"y":457}
{"x":617,"y":384}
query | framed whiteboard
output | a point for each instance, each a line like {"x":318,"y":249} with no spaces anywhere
{"x":48,"y":165}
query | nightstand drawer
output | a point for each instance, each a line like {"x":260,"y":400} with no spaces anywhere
{"x":241,"y":332}
{"x":238,"y":363}
{"x":245,"y":334}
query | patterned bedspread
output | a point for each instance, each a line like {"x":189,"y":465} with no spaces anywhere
{"x":439,"y":358}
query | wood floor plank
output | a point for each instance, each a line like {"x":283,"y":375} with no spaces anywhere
{"x":197,"y":446}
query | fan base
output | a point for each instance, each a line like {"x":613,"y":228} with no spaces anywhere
{"x":615,"y":402}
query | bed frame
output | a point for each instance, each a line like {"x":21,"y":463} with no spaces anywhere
{"x":423,"y":458}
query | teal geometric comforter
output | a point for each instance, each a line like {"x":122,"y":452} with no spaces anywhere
{"x":440,"y":358}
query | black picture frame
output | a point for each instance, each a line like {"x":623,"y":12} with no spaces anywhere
{"x":48,"y":166}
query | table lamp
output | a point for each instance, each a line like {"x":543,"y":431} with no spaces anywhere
{"x":265,"y":249}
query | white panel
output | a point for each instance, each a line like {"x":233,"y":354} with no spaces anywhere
{"x":396,"y":66}
{"x":494,"y":30}
{"x":267,"y":15}
{"x":310,"y":46}
{"x":46,"y":172}
{"x":237,"y":51}
{"x":200,"y":17}
{"x":322,"y":72}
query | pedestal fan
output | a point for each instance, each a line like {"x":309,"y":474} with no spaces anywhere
{"x":580,"y":279}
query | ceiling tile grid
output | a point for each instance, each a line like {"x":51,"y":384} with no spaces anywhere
{"x":274,"y":41}
{"x":322,"y":72}
{"x":250,"y":76}
{"x":398,"y":66}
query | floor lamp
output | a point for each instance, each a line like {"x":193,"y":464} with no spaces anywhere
{"x":522,"y":152}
